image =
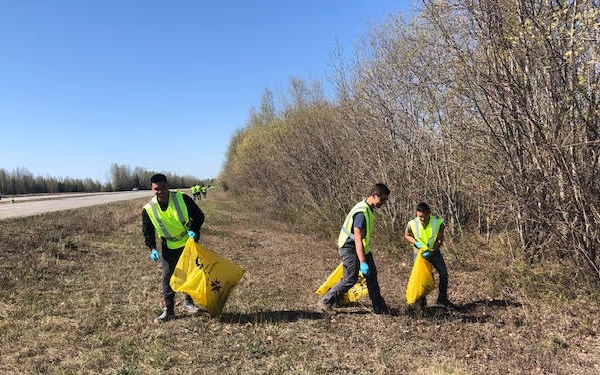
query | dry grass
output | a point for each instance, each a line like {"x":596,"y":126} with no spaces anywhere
{"x":79,"y":294}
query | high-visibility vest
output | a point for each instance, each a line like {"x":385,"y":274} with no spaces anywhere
{"x":347,"y":230}
{"x":426,"y":235}
{"x":171,"y":224}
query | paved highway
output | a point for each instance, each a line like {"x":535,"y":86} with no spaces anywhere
{"x":39,"y":204}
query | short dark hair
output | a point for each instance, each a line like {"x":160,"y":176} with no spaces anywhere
{"x":159,"y":177}
{"x":380,"y":189}
{"x":423,"y":207}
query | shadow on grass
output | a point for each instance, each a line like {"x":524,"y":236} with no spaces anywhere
{"x":462,"y":312}
{"x":271,"y":316}
{"x":465,"y":312}
{"x":488,"y":303}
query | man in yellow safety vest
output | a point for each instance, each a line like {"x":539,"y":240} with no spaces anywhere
{"x":174,"y":217}
{"x":355,"y":250}
{"x":428,"y":230}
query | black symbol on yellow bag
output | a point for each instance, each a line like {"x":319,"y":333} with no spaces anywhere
{"x":199,"y":264}
{"x":215,"y":286}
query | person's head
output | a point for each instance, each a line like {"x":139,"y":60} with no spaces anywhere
{"x":160,"y":187}
{"x":379,"y":195}
{"x":423,"y":212}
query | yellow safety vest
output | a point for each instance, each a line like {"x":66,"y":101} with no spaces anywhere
{"x":171,"y":224}
{"x":426,"y":235}
{"x":347,"y":230}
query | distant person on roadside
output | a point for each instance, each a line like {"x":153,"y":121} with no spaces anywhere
{"x":203,"y":190}
{"x":196,"y":192}
{"x":355,"y":251}
{"x":428,"y":230}
{"x":174,"y":217}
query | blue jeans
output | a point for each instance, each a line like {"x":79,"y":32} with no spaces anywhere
{"x":351,"y":266}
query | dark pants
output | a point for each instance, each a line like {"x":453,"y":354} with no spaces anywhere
{"x":170,"y":258}
{"x":351,"y":268}
{"x":437,"y":261}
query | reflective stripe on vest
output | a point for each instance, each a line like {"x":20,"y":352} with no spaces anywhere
{"x":157,"y":217}
{"x":346,"y":231}
{"x":416,"y":226}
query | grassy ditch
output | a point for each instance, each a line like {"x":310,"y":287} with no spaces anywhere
{"x":79,"y":294}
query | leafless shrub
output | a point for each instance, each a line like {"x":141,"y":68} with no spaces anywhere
{"x":486,"y":110}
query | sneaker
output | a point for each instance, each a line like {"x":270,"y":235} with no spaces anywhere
{"x":190,"y":307}
{"x":165,"y":316}
{"x":445,"y":302}
{"x":382,"y":310}
{"x":324,"y":307}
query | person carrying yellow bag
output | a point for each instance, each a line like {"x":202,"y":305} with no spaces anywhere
{"x":173,"y":217}
{"x":426,"y":233}
{"x":355,"y":251}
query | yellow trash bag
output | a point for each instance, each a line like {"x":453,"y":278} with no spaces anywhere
{"x":206,"y":276}
{"x":354,"y":294}
{"x":421,"y":281}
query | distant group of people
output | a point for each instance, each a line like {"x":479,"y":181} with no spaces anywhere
{"x":174,"y":217}
{"x":199,"y":191}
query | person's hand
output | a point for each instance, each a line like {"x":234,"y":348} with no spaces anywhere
{"x":418,"y":245}
{"x":192,"y":234}
{"x":364,"y":268}
{"x":427,"y":254}
{"x":154,"y":255}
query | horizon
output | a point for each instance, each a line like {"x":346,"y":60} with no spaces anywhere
{"x":159,"y":87}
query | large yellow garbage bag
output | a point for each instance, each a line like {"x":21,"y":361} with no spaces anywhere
{"x":354,"y":294}
{"x":206,"y":276}
{"x":420,"y":283}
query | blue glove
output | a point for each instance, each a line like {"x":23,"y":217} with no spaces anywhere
{"x":192,"y":234}
{"x":426,"y":254}
{"x":154,"y":255}
{"x":364,"y":268}
{"x":418,"y":245}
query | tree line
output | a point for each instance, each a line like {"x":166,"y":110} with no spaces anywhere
{"x":122,"y":178}
{"x":486,"y":109}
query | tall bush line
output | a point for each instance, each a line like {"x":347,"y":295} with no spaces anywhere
{"x":488,"y":110}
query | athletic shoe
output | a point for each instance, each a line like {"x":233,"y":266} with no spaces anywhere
{"x":165,"y":316}
{"x":190,"y":308}
{"x":324,"y":307}
{"x":445,"y":302}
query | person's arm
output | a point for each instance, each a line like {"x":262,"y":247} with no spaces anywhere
{"x":148,"y":231}
{"x":359,"y":228}
{"x":408,"y":236}
{"x":195,"y":215}
{"x":439,"y":241}
{"x":360,"y":250}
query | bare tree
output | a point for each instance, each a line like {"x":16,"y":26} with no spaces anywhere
{"x":530,"y":70}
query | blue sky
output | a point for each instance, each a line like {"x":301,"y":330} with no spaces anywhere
{"x":161,"y":85}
